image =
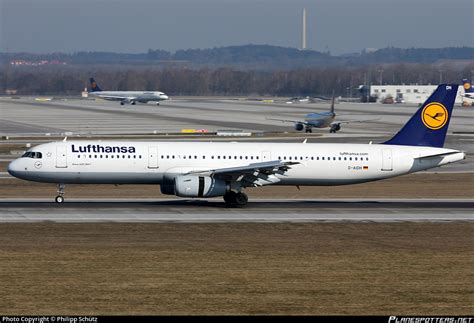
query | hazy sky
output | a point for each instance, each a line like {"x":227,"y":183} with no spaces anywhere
{"x":340,"y":26}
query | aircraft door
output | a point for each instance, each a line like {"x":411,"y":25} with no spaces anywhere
{"x":152,"y":157}
{"x":61,"y":156}
{"x":266,"y":156}
{"x":387,"y":161}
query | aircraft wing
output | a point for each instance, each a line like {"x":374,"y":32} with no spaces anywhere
{"x":116,"y":97}
{"x":292,"y":121}
{"x":256,"y":174}
{"x":351,"y":121}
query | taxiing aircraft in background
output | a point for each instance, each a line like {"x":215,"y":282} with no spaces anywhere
{"x":131,"y":97}
{"x":210,"y":169}
{"x":319,"y":120}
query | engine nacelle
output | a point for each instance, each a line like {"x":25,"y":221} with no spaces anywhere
{"x":199,"y":186}
{"x":299,"y":126}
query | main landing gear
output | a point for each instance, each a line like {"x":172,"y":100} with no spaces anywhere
{"x":235,"y":198}
{"x":60,"y":199}
{"x":308,"y":129}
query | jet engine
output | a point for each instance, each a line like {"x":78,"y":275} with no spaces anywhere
{"x":167,"y":189}
{"x":335,"y":127}
{"x":198,"y":186}
{"x":299,"y":126}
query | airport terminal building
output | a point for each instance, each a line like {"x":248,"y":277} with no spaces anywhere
{"x":416,"y":94}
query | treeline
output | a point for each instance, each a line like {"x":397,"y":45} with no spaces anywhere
{"x":259,"y":57}
{"x":70,"y":80}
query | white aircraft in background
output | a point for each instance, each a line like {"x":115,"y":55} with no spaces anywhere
{"x":197,"y":169}
{"x":468,"y":89}
{"x":131,"y":97}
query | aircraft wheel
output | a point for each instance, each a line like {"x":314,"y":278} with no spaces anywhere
{"x":157,"y":103}
{"x":121,"y":103}
{"x":59,"y":199}
{"x":229,"y":197}
{"x":241,"y":199}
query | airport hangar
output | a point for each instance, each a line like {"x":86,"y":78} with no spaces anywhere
{"x":412,"y":94}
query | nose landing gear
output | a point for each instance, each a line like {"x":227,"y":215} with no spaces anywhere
{"x":60,"y":198}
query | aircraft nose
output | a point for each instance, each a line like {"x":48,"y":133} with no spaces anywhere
{"x":13,"y":168}
{"x":164,"y":97}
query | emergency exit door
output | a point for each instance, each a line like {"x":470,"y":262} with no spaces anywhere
{"x":152,"y":157}
{"x":387,"y":161}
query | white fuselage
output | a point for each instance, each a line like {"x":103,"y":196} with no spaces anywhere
{"x":139,"y":96}
{"x":160,"y":162}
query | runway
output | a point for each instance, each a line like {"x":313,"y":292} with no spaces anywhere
{"x":258,"y":210}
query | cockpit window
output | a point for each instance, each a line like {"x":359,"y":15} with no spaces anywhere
{"x":33,"y":154}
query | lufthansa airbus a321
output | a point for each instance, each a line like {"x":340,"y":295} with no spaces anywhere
{"x":202,"y":170}
{"x":131,"y":97}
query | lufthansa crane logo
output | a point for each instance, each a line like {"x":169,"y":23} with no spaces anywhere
{"x":434,"y":116}
{"x":467,"y":86}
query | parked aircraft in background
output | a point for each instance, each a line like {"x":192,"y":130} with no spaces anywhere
{"x":468,"y":89}
{"x":131,"y":97}
{"x":202,"y":170}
